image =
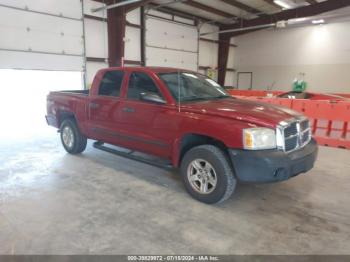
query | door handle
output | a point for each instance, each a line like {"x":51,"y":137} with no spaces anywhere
{"x":94,"y":105}
{"x":128,"y":110}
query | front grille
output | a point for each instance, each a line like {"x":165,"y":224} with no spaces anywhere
{"x":290,"y":143}
{"x":305,"y":124}
{"x":305,"y":136}
{"x":296,"y":134}
{"x":291,"y":130}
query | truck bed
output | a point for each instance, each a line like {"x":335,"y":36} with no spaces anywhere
{"x":81,"y":92}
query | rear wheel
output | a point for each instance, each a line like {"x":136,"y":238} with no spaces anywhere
{"x":72,"y":140}
{"x":207,"y":174}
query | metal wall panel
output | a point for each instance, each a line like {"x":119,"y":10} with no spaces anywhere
{"x":171,"y":44}
{"x":164,"y":34}
{"x":64,"y":8}
{"x":206,"y":28}
{"x":132,"y":44}
{"x":159,"y":14}
{"x":50,"y":32}
{"x":231,"y":57}
{"x":208,"y":54}
{"x":134,"y":16}
{"x":171,"y":58}
{"x":89,"y":4}
{"x":184,"y":20}
{"x":229,"y":79}
{"x":30,"y":60}
{"x":96,"y":38}
{"x":91,"y":69}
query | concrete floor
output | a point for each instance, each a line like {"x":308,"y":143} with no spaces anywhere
{"x":98,"y":203}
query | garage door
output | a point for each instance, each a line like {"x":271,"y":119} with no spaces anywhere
{"x":169,"y":43}
{"x":41,"y":34}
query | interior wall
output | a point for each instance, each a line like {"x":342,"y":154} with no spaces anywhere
{"x":133,"y":37}
{"x":277,"y":57}
{"x":208,"y":53}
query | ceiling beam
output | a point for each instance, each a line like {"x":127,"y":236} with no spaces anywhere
{"x":299,"y":12}
{"x":172,"y":2}
{"x":312,"y":2}
{"x":243,"y":7}
{"x":208,"y":9}
{"x":271,"y":2}
{"x":115,"y":5}
{"x":137,"y":5}
{"x":172,"y":11}
{"x":119,"y":4}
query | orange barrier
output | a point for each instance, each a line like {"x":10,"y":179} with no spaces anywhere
{"x":260,"y":93}
{"x":343,"y":95}
{"x":264,"y":93}
{"x":329,"y":120}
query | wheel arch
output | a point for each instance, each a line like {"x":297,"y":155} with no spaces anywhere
{"x":190,"y":140}
{"x":63,"y":115}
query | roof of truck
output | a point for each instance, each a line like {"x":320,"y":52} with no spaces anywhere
{"x":156,"y":69}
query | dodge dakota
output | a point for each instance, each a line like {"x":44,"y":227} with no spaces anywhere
{"x":188,"y":120}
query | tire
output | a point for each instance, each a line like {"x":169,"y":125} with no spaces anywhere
{"x":199,"y":167}
{"x":72,"y":140}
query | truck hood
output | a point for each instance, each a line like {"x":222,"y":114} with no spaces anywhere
{"x":260,"y":114}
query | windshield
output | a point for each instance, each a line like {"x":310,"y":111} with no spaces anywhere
{"x":191,"y":86}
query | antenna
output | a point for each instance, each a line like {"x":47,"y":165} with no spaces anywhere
{"x":179,"y":90}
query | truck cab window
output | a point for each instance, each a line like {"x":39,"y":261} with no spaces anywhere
{"x":141,"y":83}
{"x":111,"y":83}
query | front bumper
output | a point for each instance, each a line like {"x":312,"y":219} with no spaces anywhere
{"x":272,"y":165}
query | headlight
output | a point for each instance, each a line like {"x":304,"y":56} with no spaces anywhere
{"x":259,"y":138}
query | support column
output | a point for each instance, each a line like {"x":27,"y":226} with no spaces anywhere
{"x":224,"y":48}
{"x":116,"y":22}
{"x":143,"y":36}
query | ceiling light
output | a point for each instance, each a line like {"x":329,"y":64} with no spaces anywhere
{"x":282,"y":4}
{"x":318,"y":21}
{"x":297,"y":20}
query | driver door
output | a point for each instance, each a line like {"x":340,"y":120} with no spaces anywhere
{"x":145,"y":125}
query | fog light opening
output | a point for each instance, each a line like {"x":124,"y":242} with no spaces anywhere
{"x":281,"y":174}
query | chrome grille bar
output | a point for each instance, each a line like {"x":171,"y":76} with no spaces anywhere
{"x":294,"y":138}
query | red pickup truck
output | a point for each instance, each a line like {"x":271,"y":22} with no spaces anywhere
{"x":189,"y":121}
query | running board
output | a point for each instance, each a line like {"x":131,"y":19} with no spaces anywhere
{"x":99,"y":145}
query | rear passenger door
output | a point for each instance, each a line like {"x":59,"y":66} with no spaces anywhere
{"x":103,"y":107}
{"x":145,"y":124}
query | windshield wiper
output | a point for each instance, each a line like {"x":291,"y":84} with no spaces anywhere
{"x":195,"y":98}
{"x":198,"y":98}
{"x":220,"y":97}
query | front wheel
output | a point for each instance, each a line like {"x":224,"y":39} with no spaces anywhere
{"x":72,"y":140}
{"x":207,"y":174}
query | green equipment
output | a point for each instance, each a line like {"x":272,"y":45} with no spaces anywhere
{"x":299,"y":85}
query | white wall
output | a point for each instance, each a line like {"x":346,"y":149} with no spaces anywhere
{"x":133,"y":36}
{"x":208,"y":53}
{"x":276,"y":57}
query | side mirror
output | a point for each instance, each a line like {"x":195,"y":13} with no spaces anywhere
{"x":152,"y":97}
